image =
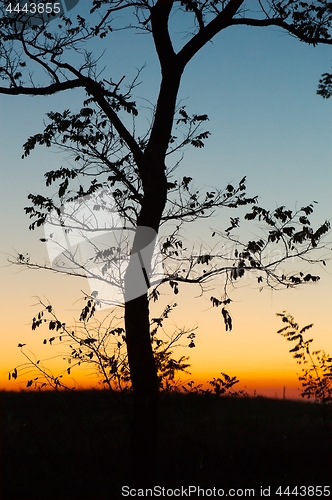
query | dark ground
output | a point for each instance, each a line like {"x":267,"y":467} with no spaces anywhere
{"x":75,"y":445}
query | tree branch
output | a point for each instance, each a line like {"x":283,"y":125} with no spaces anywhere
{"x":282,"y":24}
{"x":159,"y":23}
{"x":220,"y":22}
{"x":50,"y":89}
{"x":97,"y":91}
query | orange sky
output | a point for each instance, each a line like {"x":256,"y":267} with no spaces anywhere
{"x":252,"y":352}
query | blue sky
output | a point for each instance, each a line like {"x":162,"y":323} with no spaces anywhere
{"x":258,"y":87}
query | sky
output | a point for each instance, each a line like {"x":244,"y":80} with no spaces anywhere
{"x":258,"y":87}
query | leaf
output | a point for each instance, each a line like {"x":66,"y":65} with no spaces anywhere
{"x":186,"y":181}
{"x":307,"y":210}
{"x":63,"y":188}
{"x":88,"y":341}
{"x":215,"y":302}
{"x":21,"y":345}
{"x":227,"y":319}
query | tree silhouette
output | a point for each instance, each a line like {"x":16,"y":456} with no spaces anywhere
{"x":134,"y":168}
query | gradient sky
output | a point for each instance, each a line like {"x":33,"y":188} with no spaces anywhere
{"x":258,"y":87}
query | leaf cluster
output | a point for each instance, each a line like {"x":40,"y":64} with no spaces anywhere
{"x":311,"y":21}
{"x":224,"y":311}
{"x":325,"y":86}
{"x":316,"y":378}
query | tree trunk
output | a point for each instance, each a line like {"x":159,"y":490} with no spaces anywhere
{"x":144,"y":432}
{"x":144,"y":425}
{"x":145,"y":383}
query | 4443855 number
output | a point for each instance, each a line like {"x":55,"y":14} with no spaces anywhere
{"x":302,"y":491}
{"x":34,"y":8}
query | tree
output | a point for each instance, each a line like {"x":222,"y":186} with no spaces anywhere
{"x":35,"y":41}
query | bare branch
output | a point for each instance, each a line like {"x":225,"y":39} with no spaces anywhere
{"x":54,"y":88}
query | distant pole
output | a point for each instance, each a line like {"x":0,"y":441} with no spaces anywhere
{"x":284,"y":393}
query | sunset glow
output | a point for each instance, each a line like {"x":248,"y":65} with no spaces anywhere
{"x":267,"y":124}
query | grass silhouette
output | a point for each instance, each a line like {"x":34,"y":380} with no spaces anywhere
{"x":74,"y":445}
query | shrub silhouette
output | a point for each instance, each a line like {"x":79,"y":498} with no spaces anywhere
{"x":102,"y":347}
{"x":316,"y":378}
